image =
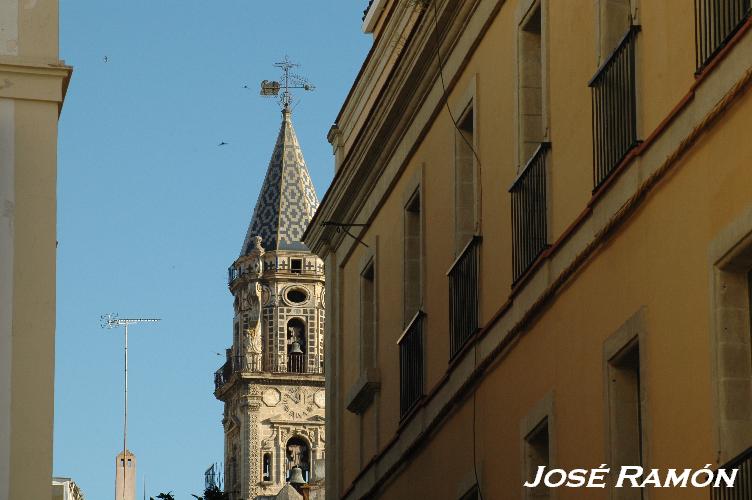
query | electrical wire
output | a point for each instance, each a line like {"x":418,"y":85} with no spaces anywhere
{"x":445,"y":97}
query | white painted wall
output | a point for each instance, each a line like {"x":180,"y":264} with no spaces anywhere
{"x":7,"y":205}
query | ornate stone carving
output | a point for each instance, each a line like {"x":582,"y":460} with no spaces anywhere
{"x":297,"y":403}
{"x":319,"y":398}
{"x":256,"y":266}
{"x":271,"y":397}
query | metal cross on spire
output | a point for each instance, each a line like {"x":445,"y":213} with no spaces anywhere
{"x":288,"y":82}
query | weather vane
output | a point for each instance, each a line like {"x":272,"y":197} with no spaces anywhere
{"x":289,"y":81}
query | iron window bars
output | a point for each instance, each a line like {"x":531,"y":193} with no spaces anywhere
{"x":716,"y":22}
{"x":529,"y":213}
{"x":742,"y":489}
{"x":614,"y":108}
{"x":463,"y":296}
{"x":411,"y":364}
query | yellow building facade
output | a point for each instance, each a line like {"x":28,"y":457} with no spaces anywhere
{"x":33,"y":82}
{"x":538,"y":242}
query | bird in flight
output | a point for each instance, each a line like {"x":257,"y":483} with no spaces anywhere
{"x":245,"y":86}
{"x":223,"y":143}
{"x":106,"y":59}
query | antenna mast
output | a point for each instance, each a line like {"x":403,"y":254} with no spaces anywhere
{"x":111,"y":321}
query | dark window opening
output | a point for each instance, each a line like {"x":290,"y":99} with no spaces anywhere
{"x":266,"y":467}
{"x":297,"y":296}
{"x":626,"y":413}
{"x":537,"y":455}
{"x":367,"y":318}
{"x":296,"y":266}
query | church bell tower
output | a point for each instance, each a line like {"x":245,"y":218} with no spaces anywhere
{"x":272,"y":383}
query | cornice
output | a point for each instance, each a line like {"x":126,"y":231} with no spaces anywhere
{"x":413,"y":78}
{"x":30,"y":80}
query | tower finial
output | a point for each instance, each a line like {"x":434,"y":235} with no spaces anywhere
{"x":289,"y":81}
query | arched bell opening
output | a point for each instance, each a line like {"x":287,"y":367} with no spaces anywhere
{"x":298,"y":453}
{"x":296,"y":346}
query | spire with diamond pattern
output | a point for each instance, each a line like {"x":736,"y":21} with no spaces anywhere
{"x":287,"y":200}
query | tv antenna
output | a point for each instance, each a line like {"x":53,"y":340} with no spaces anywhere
{"x":289,"y":81}
{"x":111,"y":321}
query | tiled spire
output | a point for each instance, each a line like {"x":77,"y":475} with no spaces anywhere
{"x":287,"y":199}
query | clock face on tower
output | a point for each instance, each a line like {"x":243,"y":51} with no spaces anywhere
{"x":296,"y":403}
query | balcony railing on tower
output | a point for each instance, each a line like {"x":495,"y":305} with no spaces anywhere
{"x":296,"y":363}
{"x":233,"y":273}
{"x":411,"y":364}
{"x":716,"y":22}
{"x":222,"y":375}
{"x":463,"y":296}
{"x":529,"y":213}
{"x":614,"y":108}
{"x":742,"y":489}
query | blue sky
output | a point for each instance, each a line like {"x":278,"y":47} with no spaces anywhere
{"x":151,"y":211}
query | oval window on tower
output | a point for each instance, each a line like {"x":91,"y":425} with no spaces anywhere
{"x":296,"y":295}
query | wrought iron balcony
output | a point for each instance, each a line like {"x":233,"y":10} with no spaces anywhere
{"x":463,"y":296}
{"x":222,"y":375}
{"x":233,"y":273}
{"x":742,"y":489}
{"x":296,"y":363}
{"x":529,"y":213}
{"x":614,"y":108}
{"x":716,"y":22}
{"x":411,"y":355}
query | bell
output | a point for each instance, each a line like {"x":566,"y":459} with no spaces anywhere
{"x":296,"y":348}
{"x":296,"y":476}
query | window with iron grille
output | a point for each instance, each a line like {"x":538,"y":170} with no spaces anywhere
{"x":742,"y":489}
{"x":716,"y":22}
{"x":411,"y":354}
{"x":614,"y":108}
{"x":463,"y":296}
{"x":529,"y":213}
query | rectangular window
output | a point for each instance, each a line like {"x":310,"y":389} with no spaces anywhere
{"x":412,"y":258}
{"x":266,"y":467}
{"x":530,"y":84}
{"x":625,"y":408}
{"x":296,"y":266}
{"x":367,"y":318}
{"x":464,"y":180}
{"x":615,"y":19}
{"x":537,"y":455}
